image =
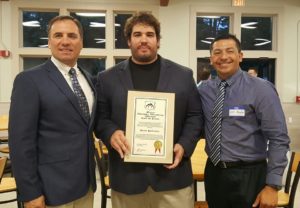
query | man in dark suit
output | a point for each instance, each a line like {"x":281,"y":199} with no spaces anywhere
{"x":50,"y":133}
{"x":145,"y":184}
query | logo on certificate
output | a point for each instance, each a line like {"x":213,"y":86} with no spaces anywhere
{"x":149,"y":105}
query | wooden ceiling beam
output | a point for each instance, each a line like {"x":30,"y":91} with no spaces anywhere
{"x":164,"y":2}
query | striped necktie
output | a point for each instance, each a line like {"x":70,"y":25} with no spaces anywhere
{"x":83,"y":104}
{"x":215,"y":155}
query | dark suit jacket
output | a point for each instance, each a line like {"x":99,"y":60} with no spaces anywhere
{"x":112,"y":87}
{"x":51,"y":144}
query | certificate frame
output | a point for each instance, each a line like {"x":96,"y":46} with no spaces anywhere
{"x":150,"y":127}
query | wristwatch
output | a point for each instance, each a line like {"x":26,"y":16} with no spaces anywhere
{"x":276,"y":187}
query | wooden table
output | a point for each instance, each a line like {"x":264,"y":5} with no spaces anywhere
{"x":3,"y":122}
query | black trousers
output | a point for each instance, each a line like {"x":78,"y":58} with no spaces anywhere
{"x":235,"y":187}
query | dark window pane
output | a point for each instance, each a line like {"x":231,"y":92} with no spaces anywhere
{"x":265,"y":67}
{"x":92,"y":65}
{"x":256,"y":33}
{"x":208,"y":27}
{"x":203,"y":63}
{"x":35,"y":28}
{"x":120,"y":40}
{"x":118,"y":60}
{"x":29,"y":62}
{"x":93,"y":28}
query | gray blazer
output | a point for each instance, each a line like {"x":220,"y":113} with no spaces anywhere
{"x":51,"y":144}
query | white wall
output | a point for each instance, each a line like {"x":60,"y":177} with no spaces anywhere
{"x":175,"y":43}
{"x":5,"y":63}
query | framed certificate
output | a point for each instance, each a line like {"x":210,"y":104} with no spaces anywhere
{"x":149,"y":127}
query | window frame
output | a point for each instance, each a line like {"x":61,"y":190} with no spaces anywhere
{"x":235,"y":22}
{"x":64,"y":8}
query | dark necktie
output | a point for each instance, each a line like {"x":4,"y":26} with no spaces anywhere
{"x":83,"y":104}
{"x":215,"y":155}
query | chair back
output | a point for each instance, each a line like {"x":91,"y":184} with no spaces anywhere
{"x":291,"y":185}
{"x":2,"y":166}
{"x":102,"y":162}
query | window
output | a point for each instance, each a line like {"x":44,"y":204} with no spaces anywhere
{"x":35,"y":24}
{"x":208,"y":27}
{"x":93,"y":28}
{"x":264,"y":66}
{"x":92,"y":65}
{"x":29,"y":62}
{"x":256,"y":28}
{"x":120,"y":59}
{"x":256,"y":33}
{"x":120,"y":20}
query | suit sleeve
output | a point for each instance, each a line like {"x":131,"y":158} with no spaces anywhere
{"x":23,"y":137}
{"x":193,"y":123}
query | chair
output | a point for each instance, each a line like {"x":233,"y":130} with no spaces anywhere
{"x":198,"y":160}
{"x":286,"y":197}
{"x":102,"y":163}
{"x":7,"y":184}
{"x":201,"y":204}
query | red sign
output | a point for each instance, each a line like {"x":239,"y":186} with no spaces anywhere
{"x":4,"y":53}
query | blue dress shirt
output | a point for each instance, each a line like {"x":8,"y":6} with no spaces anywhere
{"x":253,"y":125}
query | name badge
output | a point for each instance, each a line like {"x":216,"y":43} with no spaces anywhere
{"x":236,"y":111}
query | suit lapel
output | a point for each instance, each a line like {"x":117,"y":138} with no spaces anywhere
{"x":164,"y":75}
{"x":59,"y":80}
{"x":125,"y":76}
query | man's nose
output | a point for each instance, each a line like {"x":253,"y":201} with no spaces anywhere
{"x":144,"y":38}
{"x":65,"y":40}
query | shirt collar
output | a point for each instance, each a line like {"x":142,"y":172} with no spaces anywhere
{"x":63,"y":67}
{"x":231,"y":79}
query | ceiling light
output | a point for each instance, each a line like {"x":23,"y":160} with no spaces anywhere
{"x":31,"y":24}
{"x":210,"y":17}
{"x":43,"y":46}
{"x":97,"y":24}
{"x":249,"y":25}
{"x":100,"y":40}
{"x":90,"y":14}
{"x":262,"y":41}
{"x":206,"y":41}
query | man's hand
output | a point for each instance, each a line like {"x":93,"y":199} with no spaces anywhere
{"x":36,"y":203}
{"x":179,"y":151}
{"x":267,"y":198}
{"x":119,"y":142}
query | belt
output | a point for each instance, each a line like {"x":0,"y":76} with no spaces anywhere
{"x":237,"y":164}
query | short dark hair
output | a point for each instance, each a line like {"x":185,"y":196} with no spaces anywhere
{"x":65,"y":17}
{"x":226,"y":37}
{"x":141,"y":18}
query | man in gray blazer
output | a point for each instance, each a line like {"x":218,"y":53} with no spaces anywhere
{"x":136,"y":185}
{"x":50,"y":133}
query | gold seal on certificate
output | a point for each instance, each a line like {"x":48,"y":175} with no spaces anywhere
{"x":149,"y":127}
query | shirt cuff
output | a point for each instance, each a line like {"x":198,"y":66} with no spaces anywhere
{"x":274,"y":179}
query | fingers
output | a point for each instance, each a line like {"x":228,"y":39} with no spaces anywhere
{"x":119,"y":142}
{"x":256,"y":203}
{"x":178,"y":154}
